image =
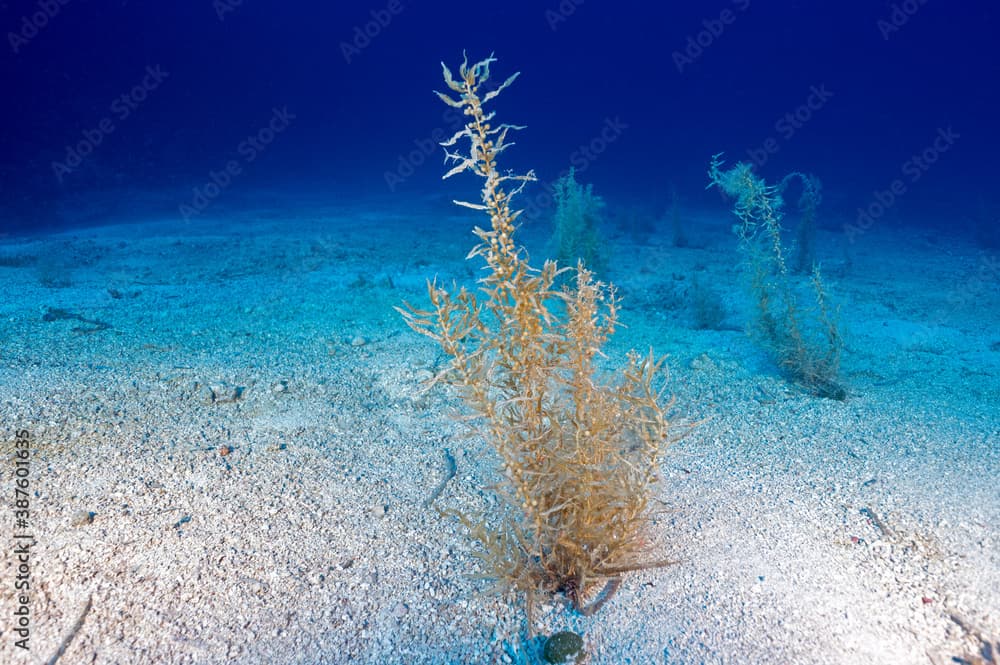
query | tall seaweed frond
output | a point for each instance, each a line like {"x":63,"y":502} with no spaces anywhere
{"x":805,"y":344}
{"x":578,"y":451}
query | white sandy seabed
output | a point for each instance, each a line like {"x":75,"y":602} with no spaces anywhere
{"x":231,"y":456}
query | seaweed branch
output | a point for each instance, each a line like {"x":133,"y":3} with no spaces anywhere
{"x":579,"y":451}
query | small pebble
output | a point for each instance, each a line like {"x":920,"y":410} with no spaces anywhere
{"x":82,"y":518}
{"x":563,"y":647}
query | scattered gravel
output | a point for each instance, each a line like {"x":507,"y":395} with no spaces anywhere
{"x":807,"y":531}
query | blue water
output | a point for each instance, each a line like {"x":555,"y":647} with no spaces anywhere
{"x":124,"y":96}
